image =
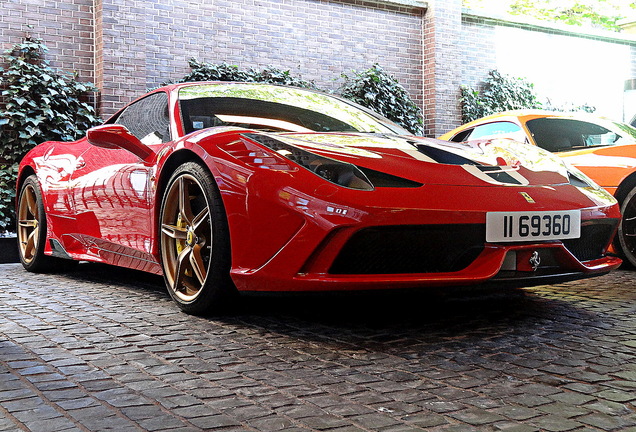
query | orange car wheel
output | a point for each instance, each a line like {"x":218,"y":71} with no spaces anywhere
{"x":627,"y":229}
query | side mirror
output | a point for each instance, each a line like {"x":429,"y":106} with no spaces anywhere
{"x":114,"y":136}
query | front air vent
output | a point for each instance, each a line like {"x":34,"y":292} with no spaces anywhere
{"x":380,"y":179}
{"x":411,"y":249}
{"x":595,"y":236}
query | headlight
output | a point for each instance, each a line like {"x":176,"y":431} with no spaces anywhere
{"x":282,"y":155}
{"x":341,"y":173}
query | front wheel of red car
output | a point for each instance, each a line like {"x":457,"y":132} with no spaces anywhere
{"x":194,"y":241}
{"x":31,"y":231}
{"x":626,"y":235}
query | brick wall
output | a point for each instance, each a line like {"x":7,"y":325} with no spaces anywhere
{"x":152,"y":42}
{"x":121,"y":75}
{"x":477,"y":55}
{"x":127,"y":47}
{"x":66,"y":26}
{"x":442,"y":74}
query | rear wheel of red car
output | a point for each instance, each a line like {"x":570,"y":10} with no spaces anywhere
{"x":32,"y":231}
{"x":194,"y":240}
{"x":626,"y":235}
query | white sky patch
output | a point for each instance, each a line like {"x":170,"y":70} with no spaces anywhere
{"x":568,"y":70}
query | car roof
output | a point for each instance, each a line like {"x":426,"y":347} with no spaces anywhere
{"x":529,"y":114}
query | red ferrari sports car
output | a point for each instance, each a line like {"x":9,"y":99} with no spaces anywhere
{"x":234,"y":187}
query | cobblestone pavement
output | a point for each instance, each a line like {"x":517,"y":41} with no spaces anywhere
{"x":106,"y":349}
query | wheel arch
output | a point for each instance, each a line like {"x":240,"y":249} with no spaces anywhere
{"x":619,"y":244}
{"x":168,"y":167}
{"x":172,"y":162}
{"x":625,"y":187}
{"x":23,"y":174}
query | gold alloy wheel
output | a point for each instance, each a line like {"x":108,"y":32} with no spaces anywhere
{"x":186,"y":237}
{"x":28,"y":223}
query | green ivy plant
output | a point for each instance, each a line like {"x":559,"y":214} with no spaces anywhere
{"x":497,"y":93}
{"x":503,"y":93}
{"x":41,"y":104}
{"x":381,"y":92}
{"x":202,"y":71}
{"x":7,"y":195}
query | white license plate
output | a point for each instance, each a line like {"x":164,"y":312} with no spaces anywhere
{"x":531,"y":226}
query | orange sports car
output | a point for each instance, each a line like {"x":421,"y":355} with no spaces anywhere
{"x":603,"y":149}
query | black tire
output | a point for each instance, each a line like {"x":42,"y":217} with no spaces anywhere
{"x":626,"y":235}
{"x":194,"y":242}
{"x":31,"y":230}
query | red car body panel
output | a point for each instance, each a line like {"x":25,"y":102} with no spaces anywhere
{"x":288,"y":226}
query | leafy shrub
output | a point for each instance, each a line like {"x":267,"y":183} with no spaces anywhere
{"x":377,"y":90}
{"x":7,"y":195}
{"x":498,"y":93}
{"x":502,"y":93}
{"x":41,"y":104}
{"x":202,"y":71}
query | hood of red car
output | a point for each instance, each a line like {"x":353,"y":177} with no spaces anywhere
{"x":431,"y":161}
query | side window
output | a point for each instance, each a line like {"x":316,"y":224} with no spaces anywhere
{"x":148,"y":119}
{"x":492,"y":130}
{"x":564,"y":134}
{"x":498,"y":130}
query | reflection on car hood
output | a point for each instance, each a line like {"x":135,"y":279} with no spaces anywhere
{"x":405,"y":155}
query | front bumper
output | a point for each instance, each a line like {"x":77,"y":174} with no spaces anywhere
{"x":343,"y":262}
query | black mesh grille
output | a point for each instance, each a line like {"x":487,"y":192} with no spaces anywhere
{"x":595,"y":235}
{"x":411,"y":249}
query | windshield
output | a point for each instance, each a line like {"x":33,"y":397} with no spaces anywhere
{"x":566,"y":134}
{"x":275,"y":108}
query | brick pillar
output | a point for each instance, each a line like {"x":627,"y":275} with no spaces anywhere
{"x":120,"y":53}
{"x":442,"y":66}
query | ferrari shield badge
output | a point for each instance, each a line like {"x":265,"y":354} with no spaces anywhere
{"x":527,"y":197}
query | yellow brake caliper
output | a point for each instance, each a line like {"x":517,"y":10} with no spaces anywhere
{"x":181,"y":244}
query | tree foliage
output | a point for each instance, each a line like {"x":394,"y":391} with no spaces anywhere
{"x":595,"y":13}
{"x":41,"y":104}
